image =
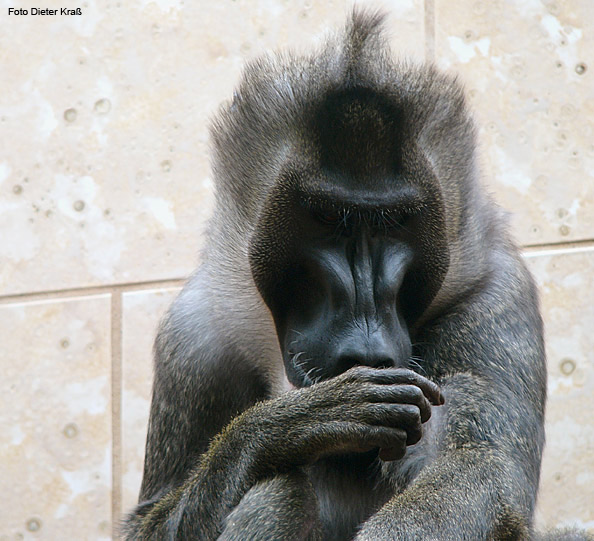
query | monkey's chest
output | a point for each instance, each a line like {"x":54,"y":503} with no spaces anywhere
{"x":348,"y":494}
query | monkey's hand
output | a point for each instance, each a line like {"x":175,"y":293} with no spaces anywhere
{"x":362,"y":409}
{"x":359,"y":410}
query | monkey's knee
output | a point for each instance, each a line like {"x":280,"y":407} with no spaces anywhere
{"x":284,"y":507}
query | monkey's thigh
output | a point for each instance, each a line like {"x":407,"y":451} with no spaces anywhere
{"x":284,"y":507}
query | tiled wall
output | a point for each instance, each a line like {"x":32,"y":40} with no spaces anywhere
{"x":104,"y":184}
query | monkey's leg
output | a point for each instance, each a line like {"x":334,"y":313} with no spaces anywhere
{"x":284,"y":507}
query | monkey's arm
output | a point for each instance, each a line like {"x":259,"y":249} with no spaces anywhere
{"x":475,"y":488}
{"x":488,"y":357}
{"x":197,"y":508}
{"x":356,"y":411}
{"x":191,"y":403}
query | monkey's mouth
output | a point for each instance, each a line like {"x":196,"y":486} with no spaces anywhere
{"x":302,"y":372}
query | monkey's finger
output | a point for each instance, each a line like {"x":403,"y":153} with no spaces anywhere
{"x":404,"y":394}
{"x":406,"y":417}
{"x":362,"y":437}
{"x":405,"y":376}
{"x":383,"y":437}
{"x":408,"y":377}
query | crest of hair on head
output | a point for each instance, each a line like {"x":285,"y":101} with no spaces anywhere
{"x":364,"y":42}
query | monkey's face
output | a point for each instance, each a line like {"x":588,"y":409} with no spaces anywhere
{"x":340,"y":272}
{"x":350,"y":245}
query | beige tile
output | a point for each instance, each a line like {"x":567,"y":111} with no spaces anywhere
{"x":567,"y":484}
{"x":142,"y":311}
{"x":525,"y":66}
{"x":55,"y":410}
{"x":104,"y":171}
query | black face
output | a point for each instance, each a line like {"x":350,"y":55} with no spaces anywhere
{"x":349,"y":251}
{"x":334,"y":274}
{"x":344,"y":290}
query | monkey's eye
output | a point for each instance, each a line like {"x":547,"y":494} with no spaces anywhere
{"x":394,"y":223}
{"x":397,"y":221}
{"x":329,"y":216}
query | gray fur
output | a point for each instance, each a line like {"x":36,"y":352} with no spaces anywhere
{"x":233,"y":452}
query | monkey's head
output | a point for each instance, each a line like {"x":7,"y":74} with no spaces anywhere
{"x":348,"y":174}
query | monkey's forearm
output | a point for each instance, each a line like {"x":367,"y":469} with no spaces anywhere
{"x":252,"y":447}
{"x":356,"y":411}
{"x":224,"y":474}
{"x":463,"y":495}
{"x":481,"y":484}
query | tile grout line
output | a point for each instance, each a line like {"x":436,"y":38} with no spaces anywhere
{"x":429,"y":30}
{"x":116,"y":410}
{"x":90,"y":290}
{"x":581,"y":244}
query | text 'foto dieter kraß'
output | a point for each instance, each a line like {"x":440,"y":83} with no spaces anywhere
{"x":44,"y":11}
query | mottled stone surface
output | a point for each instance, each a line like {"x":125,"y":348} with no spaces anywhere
{"x":55,"y":413}
{"x":566,"y":282}
{"x":528,"y":69}
{"x":141,"y":312}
